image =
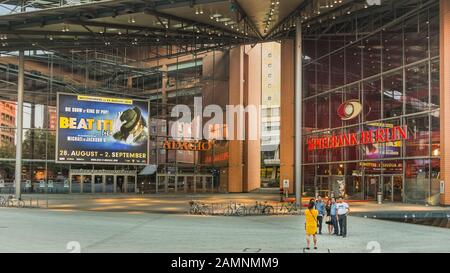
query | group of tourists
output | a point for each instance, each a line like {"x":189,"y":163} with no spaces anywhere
{"x":335,"y":214}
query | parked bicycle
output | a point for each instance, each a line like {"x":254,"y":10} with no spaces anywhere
{"x":11,"y":201}
{"x":290,"y":208}
{"x":235,"y":209}
{"x":2,"y":201}
{"x":199,"y":208}
{"x":260,"y":208}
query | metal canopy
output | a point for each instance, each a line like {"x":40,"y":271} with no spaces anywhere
{"x":189,"y":25}
{"x":183,"y":26}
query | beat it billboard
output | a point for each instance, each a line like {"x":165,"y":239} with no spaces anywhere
{"x":101,"y":130}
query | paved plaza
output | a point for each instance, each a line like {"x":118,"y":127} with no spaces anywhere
{"x":41,"y":230}
{"x":178,"y":203}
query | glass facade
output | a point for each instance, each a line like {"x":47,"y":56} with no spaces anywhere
{"x":392,"y":71}
{"x":112,"y":73}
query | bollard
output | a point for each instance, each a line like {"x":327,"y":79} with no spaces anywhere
{"x":380,"y":198}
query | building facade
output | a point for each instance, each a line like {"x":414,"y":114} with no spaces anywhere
{"x":374,"y":96}
{"x":358,"y":87}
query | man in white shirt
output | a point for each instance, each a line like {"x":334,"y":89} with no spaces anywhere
{"x":342,"y":210}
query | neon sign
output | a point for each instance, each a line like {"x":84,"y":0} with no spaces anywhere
{"x":188,"y":145}
{"x":381,"y":135}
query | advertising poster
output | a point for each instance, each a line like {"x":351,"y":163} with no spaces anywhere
{"x":382,"y":150}
{"x":102,"y":130}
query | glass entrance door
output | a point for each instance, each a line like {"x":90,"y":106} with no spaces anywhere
{"x":372,"y":185}
{"x":322,"y":186}
{"x":387,"y":188}
{"x":397,"y":188}
{"x":120,"y":183}
{"x":393,"y":188}
{"x":131,"y":184}
{"x":109,"y":184}
{"x":75,"y":182}
{"x":98,"y":184}
{"x":87,"y":184}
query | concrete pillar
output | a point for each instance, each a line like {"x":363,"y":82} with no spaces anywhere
{"x":176,"y":182}
{"x":287,"y":110}
{"x":298,"y":111}
{"x":125,"y":184}
{"x":203,"y":184}
{"x":236,"y":97}
{"x":166,"y":184}
{"x":195,"y":183}
{"x":445,"y":98}
{"x":245,"y":90}
{"x":19,"y":131}
{"x":252,"y":97}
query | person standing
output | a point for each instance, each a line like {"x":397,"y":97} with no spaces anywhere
{"x":333,"y":214}
{"x":311,"y":224}
{"x":320,"y":207}
{"x":342,"y":212}
{"x":328,"y":216}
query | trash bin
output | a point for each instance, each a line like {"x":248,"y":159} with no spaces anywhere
{"x":380,"y":197}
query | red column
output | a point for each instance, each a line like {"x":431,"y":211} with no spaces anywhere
{"x":445,"y":98}
{"x":287,"y":111}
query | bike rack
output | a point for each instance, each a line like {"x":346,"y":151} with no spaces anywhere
{"x":27,"y":203}
{"x":245,"y":209}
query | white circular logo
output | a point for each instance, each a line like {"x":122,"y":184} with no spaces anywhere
{"x":349,"y":109}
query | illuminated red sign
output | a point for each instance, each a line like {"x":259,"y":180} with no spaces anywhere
{"x":380,"y":135}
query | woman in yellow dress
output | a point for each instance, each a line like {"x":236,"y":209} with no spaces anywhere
{"x":311,"y":224}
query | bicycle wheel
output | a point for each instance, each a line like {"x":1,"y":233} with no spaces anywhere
{"x":241,"y":211}
{"x":194,"y":210}
{"x":206,"y":211}
{"x":20,"y":204}
{"x":227,"y":212}
{"x":268,"y":210}
{"x":254,"y":210}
